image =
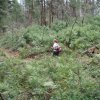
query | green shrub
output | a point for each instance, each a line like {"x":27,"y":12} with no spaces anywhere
{"x":58,"y":25}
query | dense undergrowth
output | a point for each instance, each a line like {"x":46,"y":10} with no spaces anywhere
{"x":67,"y":77}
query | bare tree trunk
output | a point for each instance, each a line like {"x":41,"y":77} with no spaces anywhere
{"x":93,"y":7}
{"x":57,"y":14}
{"x":62,"y":11}
{"x":31,"y":9}
{"x":74,"y":12}
{"x":43,"y":13}
{"x":80,"y":9}
{"x":50,"y":13}
{"x":67,"y":6}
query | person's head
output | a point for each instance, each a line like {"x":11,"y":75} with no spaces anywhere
{"x":55,"y":41}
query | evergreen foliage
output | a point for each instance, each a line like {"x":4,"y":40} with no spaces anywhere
{"x":68,"y":76}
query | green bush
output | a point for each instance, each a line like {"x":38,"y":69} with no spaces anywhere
{"x":58,"y":25}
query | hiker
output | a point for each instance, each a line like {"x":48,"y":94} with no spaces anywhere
{"x":56,"y":48}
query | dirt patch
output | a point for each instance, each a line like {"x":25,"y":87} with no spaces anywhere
{"x":15,"y":54}
{"x":38,"y":55}
{"x":9,"y":53}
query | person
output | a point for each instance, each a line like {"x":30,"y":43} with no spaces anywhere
{"x":56,"y":48}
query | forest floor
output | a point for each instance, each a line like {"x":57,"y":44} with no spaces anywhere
{"x":42,"y":64}
{"x":37,"y":56}
{"x":7,"y":53}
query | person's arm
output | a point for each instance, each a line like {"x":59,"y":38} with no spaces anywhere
{"x":59,"y":47}
{"x":52,"y":47}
